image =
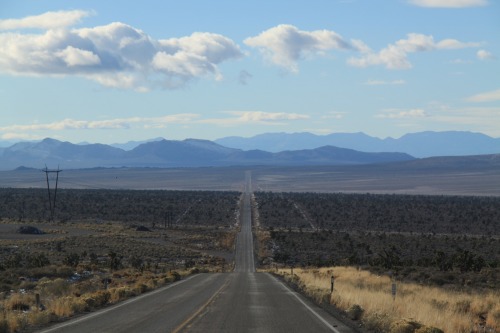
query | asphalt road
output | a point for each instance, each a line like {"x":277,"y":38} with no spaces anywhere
{"x":241,"y":301}
{"x":163,"y":310}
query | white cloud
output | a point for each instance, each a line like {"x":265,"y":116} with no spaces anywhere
{"x":484,"y":55}
{"x":256,"y":116}
{"x":284,"y":45}
{"x":118,"y":123}
{"x":402,"y":114}
{"x":382,"y":82}
{"x":334,"y":115}
{"x":235,"y":118}
{"x":246,"y":117}
{"x":114,"y":55}
{"x":20,"y":136}
{"x":48,"y":20}
{"x":490,"y":96}
{"x":360,"y":46}
{"x":482,"y":119}
{"x":77,"y":57}
{"x":395,"y":56}
{"x":453,"y":44}
{"x":449,"y":3}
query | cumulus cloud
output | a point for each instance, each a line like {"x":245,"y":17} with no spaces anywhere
{"x":77,"y":57}
{"x":449,"y":3}
{"x":46,"y":21}
{"x":395,"y":56}
{"x":114,"y":55}
{"x":490,"y":96}
{"x":484,"y":55}
{"x":284,"y":45}
{"x":402,"y":114}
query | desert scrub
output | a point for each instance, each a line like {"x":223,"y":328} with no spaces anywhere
{"x":120,"y":294}
{"x":68,"y":306}
{"x":57,"y":287}
{"x":416,"y":308}
{"x":19,"y":302}
{"x":38,"y":318}
{"x":97,"y":299}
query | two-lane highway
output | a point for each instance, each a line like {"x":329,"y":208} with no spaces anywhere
{"x":258,"y":302}
{"x":241,"y":301}
{"x":163,"y":310}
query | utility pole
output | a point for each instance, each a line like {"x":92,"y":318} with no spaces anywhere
{"x":167,"y":222}
{"x":52,"y":202}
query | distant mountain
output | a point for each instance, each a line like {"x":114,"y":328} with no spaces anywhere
{"x":132,"y":144}
{"x":53,"y":152}
{"x":422,"y":144}
{"x":167,"y":153}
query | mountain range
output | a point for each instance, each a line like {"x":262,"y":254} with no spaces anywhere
{"x":421,"y":144}
{"x":279,"y":149}
{"x":169,"y":153}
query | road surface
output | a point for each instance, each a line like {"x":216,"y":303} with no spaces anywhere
{"x":241,"y":301}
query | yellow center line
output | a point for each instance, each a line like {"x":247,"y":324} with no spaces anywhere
{"x":203,"y":307}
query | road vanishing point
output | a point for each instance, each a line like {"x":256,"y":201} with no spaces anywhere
{"x":240,"y":301}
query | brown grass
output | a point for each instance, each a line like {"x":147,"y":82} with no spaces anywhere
{"x":454,"y":312}
{"x":61,"y":299}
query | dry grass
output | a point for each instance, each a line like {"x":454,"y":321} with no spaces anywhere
{"x":453,"y":312}
{"x":61,"y":299}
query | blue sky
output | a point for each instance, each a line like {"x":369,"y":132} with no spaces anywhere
{"x":107,"y":71}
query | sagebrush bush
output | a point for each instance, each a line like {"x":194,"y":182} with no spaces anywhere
{"x":355,"y":312}
{"x":57,"y":287}
{"x":427,"y":329}
{"x":19,"y":302}
{"x":404,"y":326}
{"x":39,"y":318}
{"x":174,"y":275}
{"x":121,"y":293}
{"x":97,"y":299}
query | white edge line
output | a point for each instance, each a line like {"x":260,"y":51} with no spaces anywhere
{"x":294,"y":294}
{"x":119,"y":305}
